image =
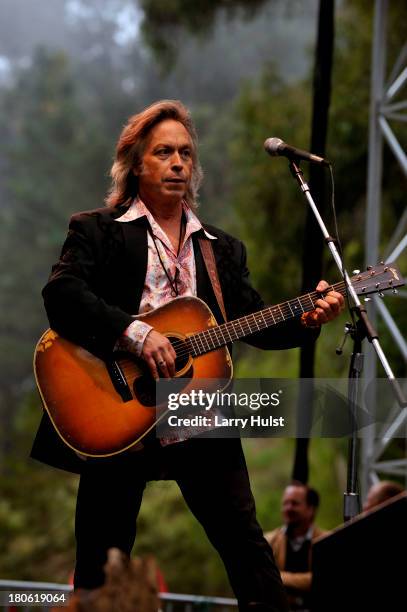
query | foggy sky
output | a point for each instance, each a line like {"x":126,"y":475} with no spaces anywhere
{"x":238,"y":49}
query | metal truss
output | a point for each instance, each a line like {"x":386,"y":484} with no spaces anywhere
{"x":385,"y":105}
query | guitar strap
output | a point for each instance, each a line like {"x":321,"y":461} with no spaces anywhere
{"x":209,"y":259}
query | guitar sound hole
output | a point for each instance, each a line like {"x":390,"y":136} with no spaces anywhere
{"x":144,"y":386}
{"x":180,"y":348}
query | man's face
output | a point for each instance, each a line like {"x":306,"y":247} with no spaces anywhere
{"x":294,"y":507}
{"x":166,"y":169}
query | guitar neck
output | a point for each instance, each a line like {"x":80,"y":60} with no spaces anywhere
{"x":220,"y":335}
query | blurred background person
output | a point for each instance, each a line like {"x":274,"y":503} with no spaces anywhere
{"x":292,"y":542}
{"x":380,"y":492}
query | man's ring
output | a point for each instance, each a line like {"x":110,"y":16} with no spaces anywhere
{"x":161,"y":363}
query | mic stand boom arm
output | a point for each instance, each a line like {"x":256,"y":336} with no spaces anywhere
{"x":363,"y":329}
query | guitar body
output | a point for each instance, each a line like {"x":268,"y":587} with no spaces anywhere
{"x":93,"y":415}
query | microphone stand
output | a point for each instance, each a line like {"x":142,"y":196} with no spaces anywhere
{"x":363,"y":329}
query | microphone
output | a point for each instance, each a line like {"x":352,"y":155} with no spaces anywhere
{"x":277,"y":147}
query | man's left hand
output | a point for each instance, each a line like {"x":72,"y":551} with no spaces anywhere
{"x":328,"y":308}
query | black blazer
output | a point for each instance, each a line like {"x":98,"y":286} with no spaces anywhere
{"x":97,"y":285}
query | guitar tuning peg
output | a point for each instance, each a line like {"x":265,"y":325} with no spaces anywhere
{"x":395,"y":291}
{"x":356,"y":272}
{"x":381,"y":295}
{"x":369,"y":267}
{"x":367,"y":299}
{"x":381,"y":263}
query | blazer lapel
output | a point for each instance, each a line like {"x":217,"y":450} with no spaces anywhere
{"x":135,"y":264}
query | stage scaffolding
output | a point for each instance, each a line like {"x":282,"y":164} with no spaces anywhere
{"x":388,"y":103}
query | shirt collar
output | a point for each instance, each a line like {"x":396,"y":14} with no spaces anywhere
{"x":307,"y":536}
{"x":138,"y":209}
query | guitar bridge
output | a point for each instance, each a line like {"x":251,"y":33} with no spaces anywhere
{"x":119,"y":381}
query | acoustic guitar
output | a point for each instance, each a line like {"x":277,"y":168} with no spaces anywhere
{"x":101,"y":408}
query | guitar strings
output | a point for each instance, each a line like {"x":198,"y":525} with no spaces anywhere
{"x":212,"y":334}
{"x":284,"y":308}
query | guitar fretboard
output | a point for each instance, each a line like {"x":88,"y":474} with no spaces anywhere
{"x":220,"y":335}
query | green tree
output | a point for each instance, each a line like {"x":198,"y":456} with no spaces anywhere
{"x":165,"y":22}
{"x":275,"y":233}
{"x":53,"y":157}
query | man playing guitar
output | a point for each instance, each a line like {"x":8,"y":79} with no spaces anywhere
{"x":137,"y":254}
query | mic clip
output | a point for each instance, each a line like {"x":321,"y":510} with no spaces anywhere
{"x":347,"y":330}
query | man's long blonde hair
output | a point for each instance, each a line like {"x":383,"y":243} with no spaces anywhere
{"x":131,"y":146}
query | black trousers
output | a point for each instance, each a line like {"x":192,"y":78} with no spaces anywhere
{"x":213,"y":479}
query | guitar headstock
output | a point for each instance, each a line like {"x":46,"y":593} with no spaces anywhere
{"x":377,"y":279}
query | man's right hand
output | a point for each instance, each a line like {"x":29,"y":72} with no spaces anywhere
{"x":159,"y":355}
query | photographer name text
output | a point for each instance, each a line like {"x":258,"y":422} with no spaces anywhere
{"x":219,"y":421}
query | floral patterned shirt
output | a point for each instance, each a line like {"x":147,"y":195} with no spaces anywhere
{"x":157,"y":289}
